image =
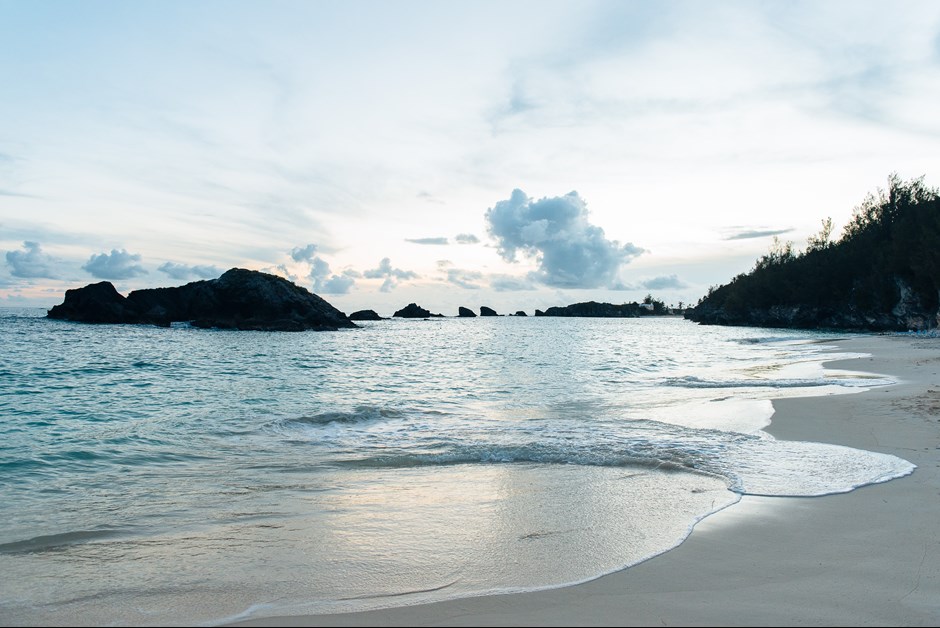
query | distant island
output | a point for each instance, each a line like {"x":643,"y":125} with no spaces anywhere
{"x":239,"y":299}
{"x":592,"y":309}
{"x":366,"y":315}
{"x":882,"y":275}
{"x":589,"y":309}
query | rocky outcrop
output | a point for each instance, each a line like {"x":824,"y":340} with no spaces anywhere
{"x":592,"y":309}
{"x":464,"y":312}
{"x":521,"y":313}
{"x":412,"y":310}
{"x":486,"y":311}
{"x":95,"y":303}
{"x":239,"y":299}
{"x":908,"y":314}
{"x":365,"y":315}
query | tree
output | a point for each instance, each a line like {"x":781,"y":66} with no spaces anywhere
{"x":820,"y":241}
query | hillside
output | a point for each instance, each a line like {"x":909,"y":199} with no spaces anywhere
{"x":883,"y":274}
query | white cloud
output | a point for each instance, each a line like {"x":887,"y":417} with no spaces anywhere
{"x":336,"y":284}
{"x":466,"y":238}
{"x":664,"y":282}
{"x":392,"y":276}
{"x":324,"y":280}
{"x":466,"y":279}
{"x":510,"y":283}
{"x":438,"y":241}
{"x":749,"y":234}
{"x":30,"y":263}
{"x":570,"y":252}
{"x":303,"y":253}
{"x":185,"y":271}
{"x":119,"y":264}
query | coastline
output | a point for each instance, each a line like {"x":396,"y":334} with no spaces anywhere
{"x":868,"y":557}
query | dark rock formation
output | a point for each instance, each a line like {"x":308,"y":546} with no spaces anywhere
{"x":592,"y":309}
{"x":485,"y":311}
{"x":908,"y":314}
{"x":521,"y":313}
{"x":95,"y":303}
{"x":464,"y":312}
{"x":413,"y":310}
{"x":365,"y":315}
{"x":239,"y":299}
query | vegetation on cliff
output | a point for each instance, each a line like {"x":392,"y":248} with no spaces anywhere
{"x":882,"y":274}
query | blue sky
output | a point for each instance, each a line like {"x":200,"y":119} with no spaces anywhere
{"x":512,"y":154}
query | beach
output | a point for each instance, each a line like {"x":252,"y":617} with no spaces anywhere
{"x":868,"y":557}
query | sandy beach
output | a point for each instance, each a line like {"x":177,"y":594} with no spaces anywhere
{"x":869,"y":557}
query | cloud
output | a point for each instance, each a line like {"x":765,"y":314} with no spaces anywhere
{"x":569,"y":250}
{"x":281,"y":270}
{"x":30,"y":263}
{"x":17,"y":194}
{"x":464,"y":278}
{"x":303,"y":254}
{"x":747,"y":235}
{"x":391,"y":275}
{"x":427,"y":240}
{"x":466,"y":238}
{"x":185,"y":271}
{"x":324,"y":280}
{"x":336,"y":284}
{"x":510,"y":283}
{"x":116,"y":265}
{"x":664,"y":282}
{"x":430,"y":198}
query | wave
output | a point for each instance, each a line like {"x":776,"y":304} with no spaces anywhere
{"x":54,"y":542}
{"x":753,"y":464}
{"x":520,"y":454}
{"x":691,"y":381}
{"x":361,"y":414}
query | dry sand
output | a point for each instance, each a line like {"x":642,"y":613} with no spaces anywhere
{"x":869,"y":557}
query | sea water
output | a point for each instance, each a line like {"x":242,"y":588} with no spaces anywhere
{"x":181,"y":475}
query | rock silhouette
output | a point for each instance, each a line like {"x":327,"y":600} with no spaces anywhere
{"x":365,"y":315}
{"x":239,"y":299}
{"x":412,"y":310}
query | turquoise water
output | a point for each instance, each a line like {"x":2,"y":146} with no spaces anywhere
{"x":161,"y":476}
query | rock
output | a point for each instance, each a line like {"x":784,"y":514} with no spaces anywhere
{"x":592,"y":309}
{"x":95,"y":303}
{"x":908,"y":314}
{"x":485,"y":311}
{"x":365,"y":315}
{"x":464,"y":312}
{"x":412,"y":310}
{"x":521,"y":313}
{"x":239,"y":299}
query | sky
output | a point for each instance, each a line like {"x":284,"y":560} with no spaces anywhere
{"x":517,"y":155}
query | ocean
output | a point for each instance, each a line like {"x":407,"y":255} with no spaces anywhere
{"x":187,"y":476}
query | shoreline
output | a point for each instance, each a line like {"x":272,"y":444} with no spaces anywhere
{"x":870,"y":556}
